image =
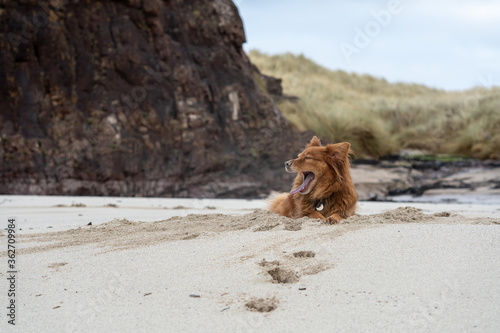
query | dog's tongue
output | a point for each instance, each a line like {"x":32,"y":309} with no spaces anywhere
{"x":305,"y":184}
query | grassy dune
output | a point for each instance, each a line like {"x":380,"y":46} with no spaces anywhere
{"x":380,"y":118}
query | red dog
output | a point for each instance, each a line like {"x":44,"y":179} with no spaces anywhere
{"x":323,"y":188}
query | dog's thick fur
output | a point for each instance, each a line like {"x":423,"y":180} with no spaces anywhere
{"x":330,"y":195}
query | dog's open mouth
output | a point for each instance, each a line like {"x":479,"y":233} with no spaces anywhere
{"x":304,"y":187}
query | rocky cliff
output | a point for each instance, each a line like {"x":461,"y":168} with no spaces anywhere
{"x":135,"y":98}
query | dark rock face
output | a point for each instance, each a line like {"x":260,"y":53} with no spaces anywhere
{"x":135,"y":98}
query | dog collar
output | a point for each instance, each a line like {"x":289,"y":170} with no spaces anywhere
{"x":319,"y":206}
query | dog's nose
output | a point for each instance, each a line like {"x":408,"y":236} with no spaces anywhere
{"x":288,"y":163}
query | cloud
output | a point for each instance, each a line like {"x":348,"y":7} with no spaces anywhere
{"x":476,"y":13}
{"x":445,"y":44}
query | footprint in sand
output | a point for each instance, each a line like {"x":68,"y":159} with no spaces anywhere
{"x":262,"y":304}
{"x":292,"y":267}
{"x":304,"y":254}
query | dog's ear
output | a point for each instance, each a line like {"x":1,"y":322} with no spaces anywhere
{"x":339,"y":151}
{"x":338,"y":158}
{"x":314,"y":142}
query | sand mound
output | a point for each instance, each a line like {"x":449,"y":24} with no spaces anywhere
{"x":415,"y":215}
{"x":122,"y":234}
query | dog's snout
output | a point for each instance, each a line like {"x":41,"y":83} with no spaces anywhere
{"x":288,"y":164}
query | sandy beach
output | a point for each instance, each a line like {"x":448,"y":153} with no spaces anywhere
{"x":186,"y":265}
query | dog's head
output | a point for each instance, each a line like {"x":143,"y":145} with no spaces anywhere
{"x":320,"y":169}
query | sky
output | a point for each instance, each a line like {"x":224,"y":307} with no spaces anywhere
{"x":444,"y":44}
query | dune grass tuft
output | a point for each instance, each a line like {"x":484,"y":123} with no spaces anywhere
{"x":379,"y":118}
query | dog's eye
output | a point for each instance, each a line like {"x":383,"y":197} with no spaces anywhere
{"x":308,"y":158}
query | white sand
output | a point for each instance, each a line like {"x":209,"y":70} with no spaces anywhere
{"x":372,"y":273}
